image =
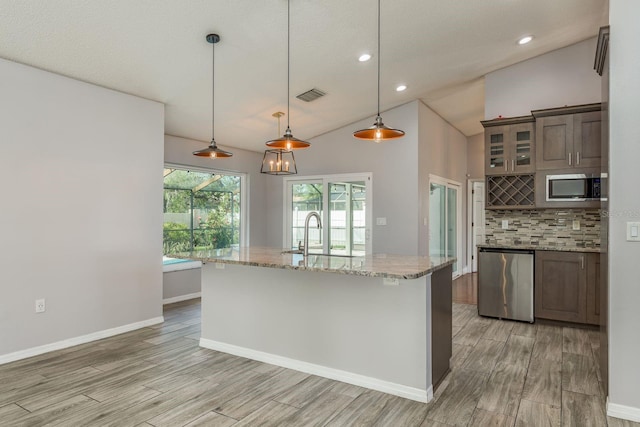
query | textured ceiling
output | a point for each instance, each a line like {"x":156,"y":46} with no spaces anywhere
{"x":156,"y":49}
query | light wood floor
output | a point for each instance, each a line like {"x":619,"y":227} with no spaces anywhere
{"x":503,"y":374}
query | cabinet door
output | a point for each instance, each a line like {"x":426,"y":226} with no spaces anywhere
{"x":554,"y":142}
{"x":521,"y":148}
{"x":593,"y":288}
{"x":496,"y":139}
{"x":587,"y":139}
{"x":560,"y":292}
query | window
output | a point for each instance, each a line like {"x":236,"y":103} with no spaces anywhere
{"x":202,"y":210}
{"x":346,"y":219}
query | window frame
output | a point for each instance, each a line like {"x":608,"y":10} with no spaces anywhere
{"x":244,"y":205}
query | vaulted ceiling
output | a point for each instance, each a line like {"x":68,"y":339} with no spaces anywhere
{"x":156,"y":49}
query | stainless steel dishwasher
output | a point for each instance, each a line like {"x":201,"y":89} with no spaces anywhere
{"x":505,"y":283}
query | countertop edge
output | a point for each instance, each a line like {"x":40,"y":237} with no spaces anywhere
{"x":540,"y":248}
{"x":343,"y":271}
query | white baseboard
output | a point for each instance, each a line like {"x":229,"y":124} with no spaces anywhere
{"x":30,"y":352}
{"x":465,"y":270}
{"x":625,"y":412}
{"x":181,"y":298}
{"x":334,"y":374}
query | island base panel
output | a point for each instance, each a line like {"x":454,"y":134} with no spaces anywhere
{"x":345,"y":327}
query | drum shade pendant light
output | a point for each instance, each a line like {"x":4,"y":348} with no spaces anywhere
{"x":276,"y":161}
{"x":212,"y":150}
{"x":378,"y":132}
{"x":288,"y":141}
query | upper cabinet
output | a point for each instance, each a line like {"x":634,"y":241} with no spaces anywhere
{"x":509,"y":146}
{"x":568,"y":137}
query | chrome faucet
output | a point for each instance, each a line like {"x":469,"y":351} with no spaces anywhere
{"x":305,"y":248}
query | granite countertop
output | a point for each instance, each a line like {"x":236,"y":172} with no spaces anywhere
{"x":529,"y":246}
{"x":381,"y":265}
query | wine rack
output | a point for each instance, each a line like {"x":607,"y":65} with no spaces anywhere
{"x":510,"y":192}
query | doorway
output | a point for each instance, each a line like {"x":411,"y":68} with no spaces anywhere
{"x":344,"y":204}
{"x":445,"y":220}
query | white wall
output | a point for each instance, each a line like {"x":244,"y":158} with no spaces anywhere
{"x":400,"y":171}
{"x":562,"y":77}
{"x":475,"y":156}
{"x":180,"y":151}
{"x":624,"y":204}
{"x":394,"y":165}
{"x":82,"y":208}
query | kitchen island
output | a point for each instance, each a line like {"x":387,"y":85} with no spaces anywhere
{"x":380,"y":321}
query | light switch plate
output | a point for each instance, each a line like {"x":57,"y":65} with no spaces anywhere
{"x":576,"y":224}
{"x":633,"y":231}
{"x":219,"y":265}
{"x":381,"y":221}
{"x":505,"y":224}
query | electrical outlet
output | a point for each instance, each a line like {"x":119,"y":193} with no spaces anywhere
{"x":505,"y":224}
{"x":576,"y":224}
{"x":381,"y":221}
{"x":40,"y":306}
{"x":389,"y":281}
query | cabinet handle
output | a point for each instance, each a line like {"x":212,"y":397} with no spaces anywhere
{"x":569,"y":159}
{"x":577,"y":157}
{"x":582,"y":262}
{"x":506,"y":165}
{"x":513,"y":165}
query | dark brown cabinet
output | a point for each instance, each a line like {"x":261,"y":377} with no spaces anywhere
{"x":593,"y":289}
{"x":568,"y":137}
{"x":510,"y":163}
{"x":566,"y":286}
{"x":509,"y":146}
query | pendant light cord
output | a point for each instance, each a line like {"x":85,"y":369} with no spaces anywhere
{"x":288,"y":55}
{"x":213,"y":84}
{"x":378,"y":58}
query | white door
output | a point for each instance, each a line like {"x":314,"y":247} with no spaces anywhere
{"x":477,"y":222}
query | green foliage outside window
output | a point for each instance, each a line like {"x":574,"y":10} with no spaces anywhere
{"x":202,"y":211}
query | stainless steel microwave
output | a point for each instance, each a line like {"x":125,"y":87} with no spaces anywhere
{"x":573,"y":187}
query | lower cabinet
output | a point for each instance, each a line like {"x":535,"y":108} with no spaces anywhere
{"x":593,"y":289}
{"x":567,"y":286}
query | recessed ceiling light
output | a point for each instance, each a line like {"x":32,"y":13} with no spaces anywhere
{"x":364,"y":57}
{"x":400,"y":88}
{"x":525,"y":39}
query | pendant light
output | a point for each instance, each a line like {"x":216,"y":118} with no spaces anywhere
{"x":212,"y":150}
{"x":378,"y":132}
{"x":276,"y":161}
{"x":288,"y":141}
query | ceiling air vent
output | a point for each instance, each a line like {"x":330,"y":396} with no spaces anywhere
{"x":311,"y":95}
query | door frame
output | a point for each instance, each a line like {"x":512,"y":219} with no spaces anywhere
{"x":450,"y":182}
{"x":367,"y":177}
{"x":470,"y":226}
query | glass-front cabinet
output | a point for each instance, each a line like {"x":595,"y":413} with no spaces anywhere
{"x":509,"y":146}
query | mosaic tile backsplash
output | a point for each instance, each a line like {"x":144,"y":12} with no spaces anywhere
{"x":544,"y":227}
